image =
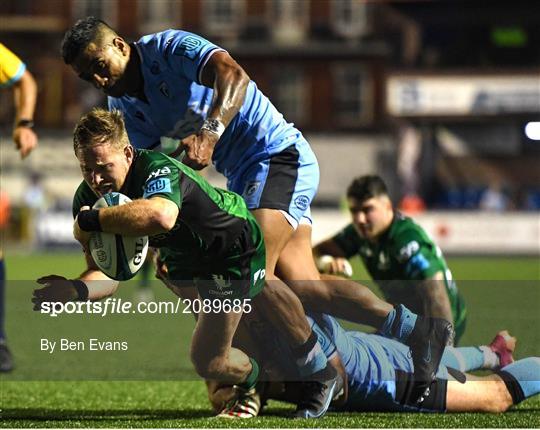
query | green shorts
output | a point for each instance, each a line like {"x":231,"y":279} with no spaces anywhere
{"x":239,"y":274}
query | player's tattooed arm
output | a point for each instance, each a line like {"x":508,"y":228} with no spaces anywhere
{"x":230,"y":83}
{"x":435,"y":301}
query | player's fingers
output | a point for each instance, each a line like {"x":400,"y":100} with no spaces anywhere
{"x":334,"y":267}
{"x":38,"y":293}
{"x":24,"y":151}
{"x":26,"y":145}
{"x":36,"y":304}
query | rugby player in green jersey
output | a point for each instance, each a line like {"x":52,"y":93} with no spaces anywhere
{"x":206,"y":237}
{"x":398,"y":254}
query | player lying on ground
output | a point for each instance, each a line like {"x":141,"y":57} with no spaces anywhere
{"x":178,"y":91}
{"x":204,"y":234}
{"x":398,"y":254}
{"x":379,"y":375}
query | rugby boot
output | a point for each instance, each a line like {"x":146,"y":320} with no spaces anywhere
{"x":246,"y":405}
{"x":318,"y":393}
{"x":6,"y":359}
{"x":427,"y":342}
{"x":503,"y":345}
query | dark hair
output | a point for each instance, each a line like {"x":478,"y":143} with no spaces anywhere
{"x":366,"y":187}
{"x":77,"y":38}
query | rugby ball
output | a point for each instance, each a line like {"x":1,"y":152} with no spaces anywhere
{"x":119,"y":257}
{"x":324,"y":264}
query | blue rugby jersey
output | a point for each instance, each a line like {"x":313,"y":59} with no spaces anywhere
{"x":171,"y":63}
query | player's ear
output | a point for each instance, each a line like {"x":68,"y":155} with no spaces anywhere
{"x":128,"y":151}
{"x":121,"y":44}
{"x":386,"y":202}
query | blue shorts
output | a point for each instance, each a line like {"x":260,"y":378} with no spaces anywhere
{"x":286,"y":181}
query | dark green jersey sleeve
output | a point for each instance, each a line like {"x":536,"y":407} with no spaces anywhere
{"x":163,"y":180}
{"x":416,"y":253}
{"x":84,"y":196}
{"x":348,"y":240}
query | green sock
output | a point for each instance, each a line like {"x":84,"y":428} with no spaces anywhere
{"x":252,"y":378}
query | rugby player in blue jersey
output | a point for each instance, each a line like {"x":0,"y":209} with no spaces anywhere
{"x":182,"y":94}
{"x":379,"y":375}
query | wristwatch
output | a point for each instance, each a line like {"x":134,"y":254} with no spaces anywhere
{"x":28,"y":123}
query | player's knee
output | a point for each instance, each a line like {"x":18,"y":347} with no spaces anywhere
{"x":498,"y":406}
{"x":500,"y":401}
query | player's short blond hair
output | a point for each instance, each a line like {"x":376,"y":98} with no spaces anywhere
{"x":99,"y":127}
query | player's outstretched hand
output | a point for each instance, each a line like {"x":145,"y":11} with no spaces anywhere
{"x":198,"y":150}
{"x":25,"y":140}
{"x":55,"y":289}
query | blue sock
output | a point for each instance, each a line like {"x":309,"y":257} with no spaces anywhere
{"x":399,"y":324}
{"x":526,"y":373}
{"x":2,"y":297}
{"x":463,"y":358}
{"x":310,"y":357}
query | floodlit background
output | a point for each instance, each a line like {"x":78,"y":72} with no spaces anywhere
{"x":440,"y":98}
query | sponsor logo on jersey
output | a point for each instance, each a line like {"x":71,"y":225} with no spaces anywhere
{"x":251,"y":188}
{"x":159,"y":172}
{"x":164,"y":89}
{"x":158,"y":185}
{"x":223,"y":286}
{"x":302,"y":202}
{"x":408,"y":251}
{"x":188,"y":47}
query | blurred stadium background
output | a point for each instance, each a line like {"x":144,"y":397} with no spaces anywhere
{"x":440,"y":98}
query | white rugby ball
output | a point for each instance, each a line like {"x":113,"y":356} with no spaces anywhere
{"x":119,"y":257}
{"x":324,"y":264}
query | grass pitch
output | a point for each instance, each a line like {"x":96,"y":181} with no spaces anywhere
{"x":153,"y":385}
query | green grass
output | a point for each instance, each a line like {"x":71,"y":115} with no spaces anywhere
{"x":152,"y":385}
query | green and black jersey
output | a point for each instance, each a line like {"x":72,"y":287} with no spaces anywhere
{"x":215,"y":235}
{"x":403,"y":253}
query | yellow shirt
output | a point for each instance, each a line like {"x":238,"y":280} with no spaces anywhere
{"x":11,"y":67}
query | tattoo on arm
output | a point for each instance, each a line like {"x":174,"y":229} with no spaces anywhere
{"x":229,"y":82}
